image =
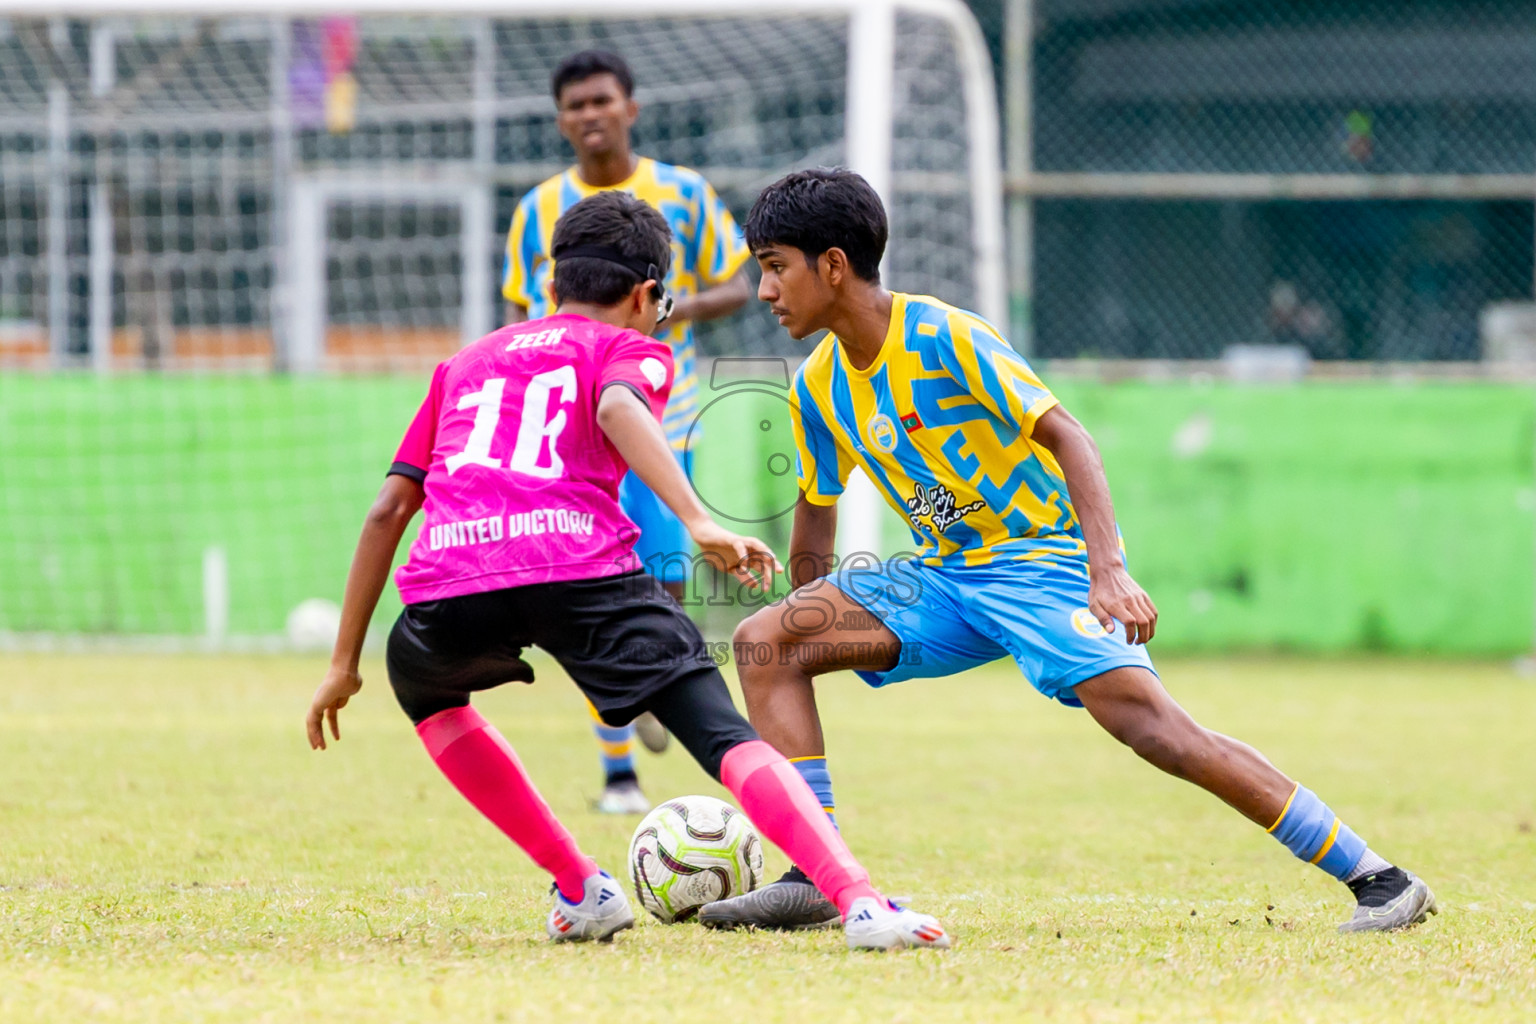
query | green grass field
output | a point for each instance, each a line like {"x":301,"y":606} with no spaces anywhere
{"x":170,"y":850}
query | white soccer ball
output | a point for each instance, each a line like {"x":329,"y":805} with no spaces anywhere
{"x":691,"y":851}
{"x":313,"y":624}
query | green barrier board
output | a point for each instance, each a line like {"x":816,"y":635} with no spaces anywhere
{"x":1325,"y":517}
{"x":113,"y":490}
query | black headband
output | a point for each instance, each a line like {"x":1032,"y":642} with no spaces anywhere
{"x":645,"y":269}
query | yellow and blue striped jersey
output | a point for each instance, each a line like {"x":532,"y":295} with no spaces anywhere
{"x":707,"y":249}
{"x":941,"y":422}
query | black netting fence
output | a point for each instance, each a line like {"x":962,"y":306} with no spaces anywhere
{"x":1430,"y":100}
{"x":1343,"y":280}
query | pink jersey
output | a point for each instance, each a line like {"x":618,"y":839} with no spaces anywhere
{"x":522,"y":485}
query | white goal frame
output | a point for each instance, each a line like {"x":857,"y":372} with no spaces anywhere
{"x":309,"y":203}
{"x":300,"y":201}
{"x":871,"y":55}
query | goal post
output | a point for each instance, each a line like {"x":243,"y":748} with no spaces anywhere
{"x":310,"y":200}
{"x":869,"y":113}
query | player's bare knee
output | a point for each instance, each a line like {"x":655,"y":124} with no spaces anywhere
{"x":757,"y":633}
{"x":753,"y":629}
{"x":1145,"y":726}
{"x":1158,"y":748}
{"x":1172,"y":743}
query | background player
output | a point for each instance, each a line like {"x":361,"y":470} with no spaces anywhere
{"x":1006,"y":497}
{"x":594,"y":97}
{"x":515,"y":458}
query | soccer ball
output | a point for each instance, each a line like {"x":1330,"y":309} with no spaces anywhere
{"x":313,"y":624}
{"x":691,"y":851}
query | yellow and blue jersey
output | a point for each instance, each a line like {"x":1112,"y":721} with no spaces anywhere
{"x":707,"y":249}
{"x":942,"y":422}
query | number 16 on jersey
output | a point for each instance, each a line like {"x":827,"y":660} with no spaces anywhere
{"x":536,"y":426}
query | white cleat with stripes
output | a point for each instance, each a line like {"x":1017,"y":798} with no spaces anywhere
{"x":602,"y":913}
{"x":873,"y":924}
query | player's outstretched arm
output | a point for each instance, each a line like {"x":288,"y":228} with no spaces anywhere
{"x":399,"y":499}
{"x":1112,"y":594}
{"x":632,"y":428}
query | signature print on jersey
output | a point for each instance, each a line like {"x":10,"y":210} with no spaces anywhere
{"x":938,"y":504}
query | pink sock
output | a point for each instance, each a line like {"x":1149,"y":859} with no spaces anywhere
{"x":785,"y":810}
{"x":482,"y":765}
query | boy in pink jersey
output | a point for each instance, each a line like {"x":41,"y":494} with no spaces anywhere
{"x":515,"y":460}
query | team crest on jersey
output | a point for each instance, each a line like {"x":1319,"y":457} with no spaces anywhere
{"x":1086,"y":623}
{"x":882,"y":433}
{"x":938,"y":504}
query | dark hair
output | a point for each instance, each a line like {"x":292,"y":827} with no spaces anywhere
{"x":609,"y":220}
{"x":820,"y":209}
{"x":579,"y":67}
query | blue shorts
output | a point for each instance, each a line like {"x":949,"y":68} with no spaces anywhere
{"x":664,"y":547}
{"x":952,"y":619}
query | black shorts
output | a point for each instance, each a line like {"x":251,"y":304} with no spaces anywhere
{"x":623,"y":639}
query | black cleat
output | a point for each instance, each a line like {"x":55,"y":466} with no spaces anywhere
{"x":793,"y":903}
{"x":1389,"y":900}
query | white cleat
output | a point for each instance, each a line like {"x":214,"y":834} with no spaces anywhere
{"x":871,"y":924}
{"x":622,"y":798}
{"x":602,"y":913}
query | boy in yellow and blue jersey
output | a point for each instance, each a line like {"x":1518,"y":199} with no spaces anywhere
{"x":595,"y":111}
{"x":1018,"y":553}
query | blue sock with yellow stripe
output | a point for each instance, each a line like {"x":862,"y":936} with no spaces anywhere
{"x":814,"y":771}
{"x":618,"y":747}
{"x":1310,"y":830}
{"x":617,"y":744}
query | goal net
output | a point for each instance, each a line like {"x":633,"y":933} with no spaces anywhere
{"x":259,"y":230}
